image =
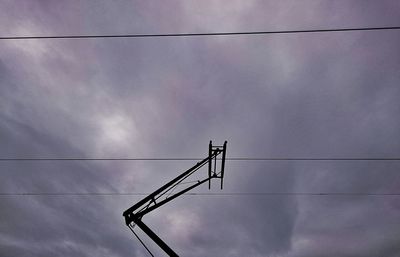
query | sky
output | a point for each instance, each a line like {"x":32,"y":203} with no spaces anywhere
{"x":314,"y":95}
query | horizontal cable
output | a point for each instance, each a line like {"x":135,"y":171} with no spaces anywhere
{"x":209,"y":194}
{"x":199,"y":34}
{"x":199,"y":159}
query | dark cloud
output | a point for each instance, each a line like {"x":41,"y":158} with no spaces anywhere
{"x":310,"y":95}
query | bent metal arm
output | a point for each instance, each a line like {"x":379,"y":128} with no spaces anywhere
{"x":133,"y":215}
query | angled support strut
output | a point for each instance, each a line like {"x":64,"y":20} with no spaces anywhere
{"x":133,"y":215}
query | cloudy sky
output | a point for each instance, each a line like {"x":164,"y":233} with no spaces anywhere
{"x":321,"y":95}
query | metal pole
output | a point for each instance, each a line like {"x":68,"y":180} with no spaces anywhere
{"x":155,"y":238}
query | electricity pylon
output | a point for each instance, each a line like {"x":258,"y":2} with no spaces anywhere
{"x":133,"y":215}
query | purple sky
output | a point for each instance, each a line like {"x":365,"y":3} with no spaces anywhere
{"x":316,"y":95}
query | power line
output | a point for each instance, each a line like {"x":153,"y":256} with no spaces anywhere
{"x":198,"y":159}
{"x":244,"y":33}
{"x":348,"y":194}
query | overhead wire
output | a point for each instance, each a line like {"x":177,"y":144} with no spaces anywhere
{"x":208,"y":194}
{"x":202,"y":194}
{"x":158,"y":35}
{"x":198,"y":159}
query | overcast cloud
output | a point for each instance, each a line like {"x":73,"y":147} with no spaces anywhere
{"x":316,"y":95}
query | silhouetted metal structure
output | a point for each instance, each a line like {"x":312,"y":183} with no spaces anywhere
{"x":134,"y":214}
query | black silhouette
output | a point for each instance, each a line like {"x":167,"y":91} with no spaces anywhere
{"x":134,"y":214}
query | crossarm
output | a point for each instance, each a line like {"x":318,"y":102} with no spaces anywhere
{"x":151,"y":202}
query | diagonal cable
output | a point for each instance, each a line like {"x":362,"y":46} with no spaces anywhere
{"x":140,"y":240}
